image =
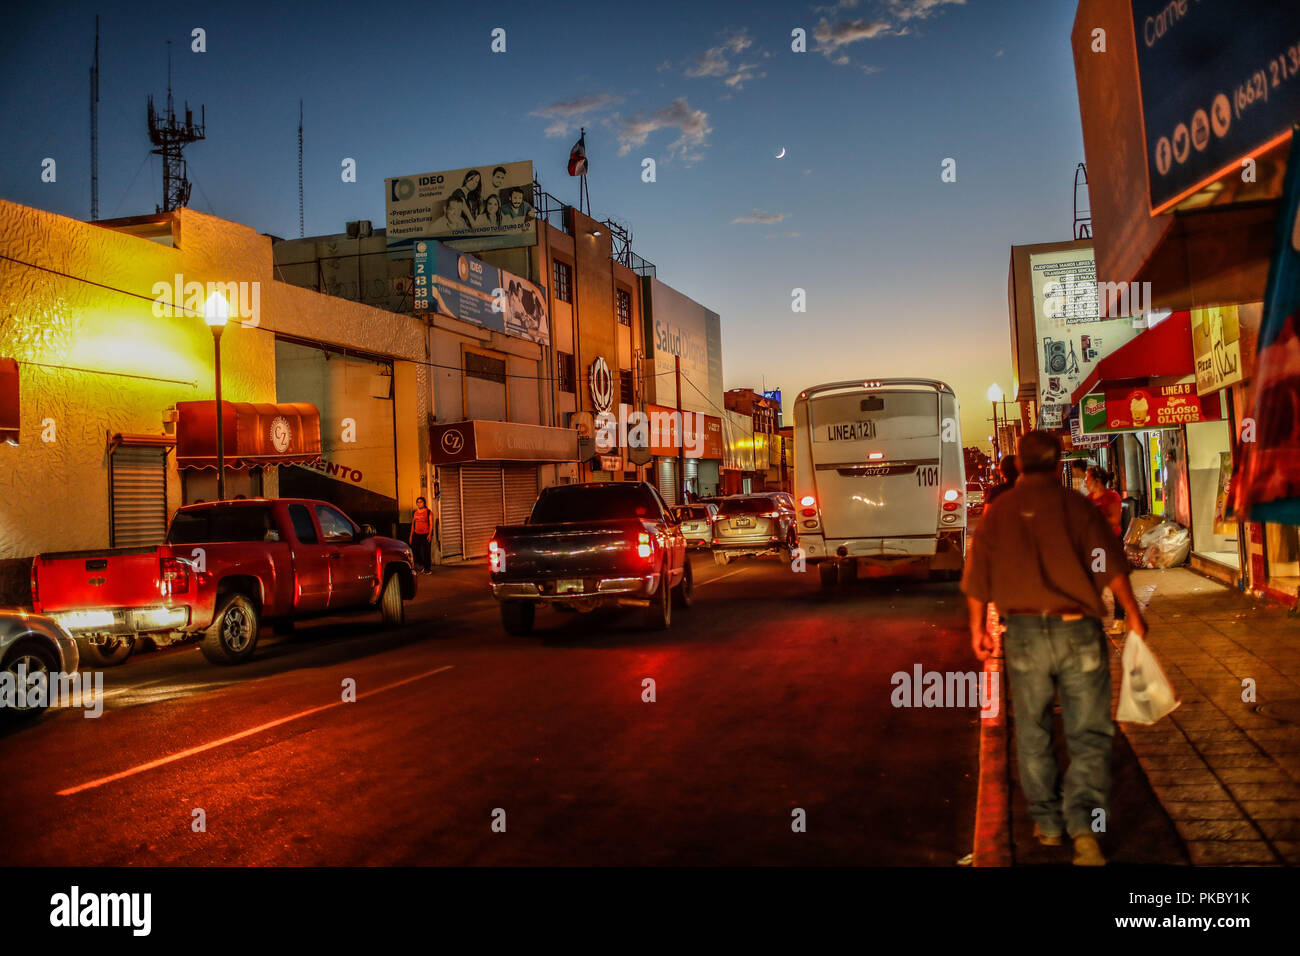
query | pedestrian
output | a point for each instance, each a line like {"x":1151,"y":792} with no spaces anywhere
{"x":1043,"y":554}
{"x":422,"y":536}
{"x":1010,"y":472}
{"x":1097,"y":482}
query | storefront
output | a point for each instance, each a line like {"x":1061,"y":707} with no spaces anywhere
{"x":488,"y":474}
{"x":701,"y":461}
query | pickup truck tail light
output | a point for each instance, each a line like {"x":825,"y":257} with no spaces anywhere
{"x":644,"y":546}
{"x":36,"y":594}
{"x":496,"y":557}
{"x":175,"y":575}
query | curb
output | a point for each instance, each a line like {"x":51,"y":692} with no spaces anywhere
{"x":993,"y":800}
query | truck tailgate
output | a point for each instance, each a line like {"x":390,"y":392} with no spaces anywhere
{"x":76,"y":580}
{"x":571,"y":550}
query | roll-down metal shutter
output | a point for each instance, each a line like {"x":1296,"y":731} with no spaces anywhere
{"x":449,"y":524}
{"x":521,"y":492}
{"x":481,"y":506}
{"x":666,"y":479}
{"x":138,"y":496}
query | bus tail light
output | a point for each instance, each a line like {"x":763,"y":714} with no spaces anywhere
{"x":496,"y":557}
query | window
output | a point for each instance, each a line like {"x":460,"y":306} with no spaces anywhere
{"x":334,"y":527}
{"x":223,"y":522}
{"x":563,"y":281}
{"x":302,"y":524}
{"x":567,"y":373}
{"x":485,"y":367}
{"x":626,"y":391}
{"x":624,"y":301}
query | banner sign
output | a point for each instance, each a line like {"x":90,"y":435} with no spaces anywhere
{"x":489,"y":207}
{"x":1146,"y":408}
{"x":1220,"y":80}
{"x":1269,"y":485}
{"x":1216,"y":343}
{"x":457,"y":284}
{"x":1079,"y":440}
{"x":1072,"y":337}
{"x":456,"y":442}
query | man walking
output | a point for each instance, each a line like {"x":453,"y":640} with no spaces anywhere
{"x":1043,"y":553}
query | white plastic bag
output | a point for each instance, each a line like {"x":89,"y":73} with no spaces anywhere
{"x":1144,"y":694}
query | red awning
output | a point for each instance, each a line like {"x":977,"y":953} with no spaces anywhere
{"x":9,"y":401}
{"x":1162,"y":351}
{"x":254,"y":434}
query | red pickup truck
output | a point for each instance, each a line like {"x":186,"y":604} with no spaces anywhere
{"x":227,"y":566}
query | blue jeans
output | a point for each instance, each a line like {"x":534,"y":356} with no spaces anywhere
{"x":1046,"y":656}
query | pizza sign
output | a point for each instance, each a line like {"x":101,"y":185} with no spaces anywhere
{"x":1147,"y":407}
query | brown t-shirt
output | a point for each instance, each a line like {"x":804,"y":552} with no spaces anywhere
{"x":1035,"y":550}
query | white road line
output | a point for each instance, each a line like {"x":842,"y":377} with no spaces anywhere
{"x":721,"y":577}
{"x":181,"y":755}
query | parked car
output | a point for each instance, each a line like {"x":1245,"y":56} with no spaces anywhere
{"x":755,"y":524}
{"x":974,"y":498}
{"x":591,"y":545}
{"x":697,"y":523}
{"x":32,"y":644}
{"x":227,"y":567}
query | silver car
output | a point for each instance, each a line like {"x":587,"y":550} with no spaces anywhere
{"x":32,"y":644}
{"x":696,"y":523}
{"x":754,"y":524}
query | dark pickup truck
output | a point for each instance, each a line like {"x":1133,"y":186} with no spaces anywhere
{"x":226,"y":567}
{"x":587,"y":546}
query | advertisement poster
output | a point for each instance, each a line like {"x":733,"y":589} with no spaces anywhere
{"x":1071,"y":337}
{"x":1220,"y":79}
{"x":1146,"y":408}
{"x":687,"y":330}
{"x":457,"y":284}
{"x":1268,"y":488}
{"x":489,"y":207}
{"x":1216,"y":344}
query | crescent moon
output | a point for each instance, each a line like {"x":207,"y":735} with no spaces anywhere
{"x":781,"y":154}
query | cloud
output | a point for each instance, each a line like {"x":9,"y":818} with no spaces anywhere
{"x":716,"y":61}
{"x":567,"y":115}
{"x":757,"y":215}
{"x":694,"y":125}
{"x":833,"y":37}
{"x":919,"y":9}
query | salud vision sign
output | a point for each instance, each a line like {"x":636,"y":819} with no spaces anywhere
{"x":1147,"y":408}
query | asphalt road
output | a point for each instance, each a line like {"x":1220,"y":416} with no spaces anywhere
{"x":771,"y":697}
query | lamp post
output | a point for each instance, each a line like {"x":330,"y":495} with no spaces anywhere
{"x":215,"y":312}
{"x":995,"y":396}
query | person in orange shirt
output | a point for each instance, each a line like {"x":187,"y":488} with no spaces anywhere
{"x":1097,"y":482}
{"x":422,"y":536}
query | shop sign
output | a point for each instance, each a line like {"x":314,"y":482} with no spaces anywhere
{"x":1079,"y":440}
{"x":1146,"y":408}
{"x":455,"y":442}
{"x":1220,"y":81}
{"x":1216,"y":343}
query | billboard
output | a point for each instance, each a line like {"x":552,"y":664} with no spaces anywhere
{"x":457,"y":284}
{"x":682,"y":328}
{"x":481,"y":207}
{"x":1071,"y":337}
{"x":1219,"y":82}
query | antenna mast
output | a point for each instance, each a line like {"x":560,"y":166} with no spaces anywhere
{"x":170,"y":138}
{"x":94,"y":129}
{"x":301,"y":231}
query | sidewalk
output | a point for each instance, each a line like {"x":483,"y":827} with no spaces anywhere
{"x":1217,"y":782}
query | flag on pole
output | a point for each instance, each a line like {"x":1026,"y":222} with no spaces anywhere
{"x":578,"y":156}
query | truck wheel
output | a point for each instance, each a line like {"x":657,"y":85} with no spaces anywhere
{"x":829,"y":573}
{"x":660,"y":612}
{"x":232,"y":636}
{"x":390,"y":602}
{"x":517,"y":617}
{"x":684,"y":593}
{"x":112,"y":652}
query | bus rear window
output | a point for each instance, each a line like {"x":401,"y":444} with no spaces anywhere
{"x":882,"y":415}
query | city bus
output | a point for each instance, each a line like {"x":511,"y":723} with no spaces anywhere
{"x":880,"y":479}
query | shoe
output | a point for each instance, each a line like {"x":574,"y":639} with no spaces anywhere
{"x":1046,"y":839}
{"x":1087,"y":851}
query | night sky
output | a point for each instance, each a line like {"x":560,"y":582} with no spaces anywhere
{"x":904,"y":274}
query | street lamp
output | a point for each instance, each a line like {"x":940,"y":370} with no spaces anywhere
{"x":215,"y":312}
{"x":995,"y":396}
